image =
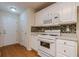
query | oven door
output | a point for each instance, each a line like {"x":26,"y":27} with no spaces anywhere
{"x":47,"y":47}
{"x":45,"y":44}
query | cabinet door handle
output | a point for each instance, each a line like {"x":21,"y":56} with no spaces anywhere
{"x":64,"y":42}
{"x":55,"y":17}
{"x":64,"y":50}
{"x":25,"y":33}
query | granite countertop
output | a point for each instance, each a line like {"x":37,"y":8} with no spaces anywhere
{"x":63,"y":36}
{"x":36,"y":33}
{"x":68,"y":36}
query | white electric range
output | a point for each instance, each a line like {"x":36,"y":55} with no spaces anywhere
{"x":47,"y":43}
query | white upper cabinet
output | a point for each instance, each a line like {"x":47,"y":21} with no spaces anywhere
{"x":38,"y":20}
{"x":48,"y":16}
{"x":57,"y":13}
{"x":51,"y":15}
{"x":67,"y":12}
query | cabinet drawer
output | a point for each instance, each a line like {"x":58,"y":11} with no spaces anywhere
{"x":34,"y":42}
{"x":66,"y":42}
{"x":60,"y":55}
{"x":67,"y":50}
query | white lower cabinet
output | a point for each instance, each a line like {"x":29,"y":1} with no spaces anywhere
{"x":60,"y":55}
{"x":34,"y":43}
{"x":66,"y":48}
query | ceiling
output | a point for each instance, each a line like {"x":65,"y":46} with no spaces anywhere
{"x":21,"y":6}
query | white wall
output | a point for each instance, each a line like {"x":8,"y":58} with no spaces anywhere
{"x":6,"y":16}
{"x":26,"y":20}
{"x":0,"y":32}
{"x":23,"y":25}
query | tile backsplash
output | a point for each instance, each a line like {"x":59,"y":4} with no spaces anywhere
{"x":65,"y":28}
{"x":68,"y":28}
{"x":42,"y":29}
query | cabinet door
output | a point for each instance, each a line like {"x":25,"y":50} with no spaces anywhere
{"x":60,"y":55}
{"x":66,"y":50}
{"x":34,"y":43}
{"x":68,"y":12}
{"x":49,"y":15}
{"x":55,"y":14}
{"x":33,"y":19}
{"x":66,"y":47}
{"x":38,"y":19}
{"x":47,"y":19}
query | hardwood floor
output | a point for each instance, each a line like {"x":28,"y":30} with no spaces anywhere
{"x":17,"y":50}
{"x":0,"y":51}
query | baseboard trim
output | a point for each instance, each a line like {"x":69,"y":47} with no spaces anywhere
{"x":0,"y":45}
{"x":9,"y":44}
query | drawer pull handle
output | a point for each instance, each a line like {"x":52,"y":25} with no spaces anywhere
{"x":64,"y":42}
{"x":64,"y":50}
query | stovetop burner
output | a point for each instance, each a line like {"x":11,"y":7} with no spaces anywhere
{"x":44,"y":34}
{"x":52,"y":35}
{"x":49,"y":34}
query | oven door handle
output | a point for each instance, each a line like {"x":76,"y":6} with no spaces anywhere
{"x":45,"y":41}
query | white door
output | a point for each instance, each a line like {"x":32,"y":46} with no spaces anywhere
{"x":0,"y":33}
{"x":23,"y":29}
{"x":1,"y":30}
{"x":9,"y":30}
